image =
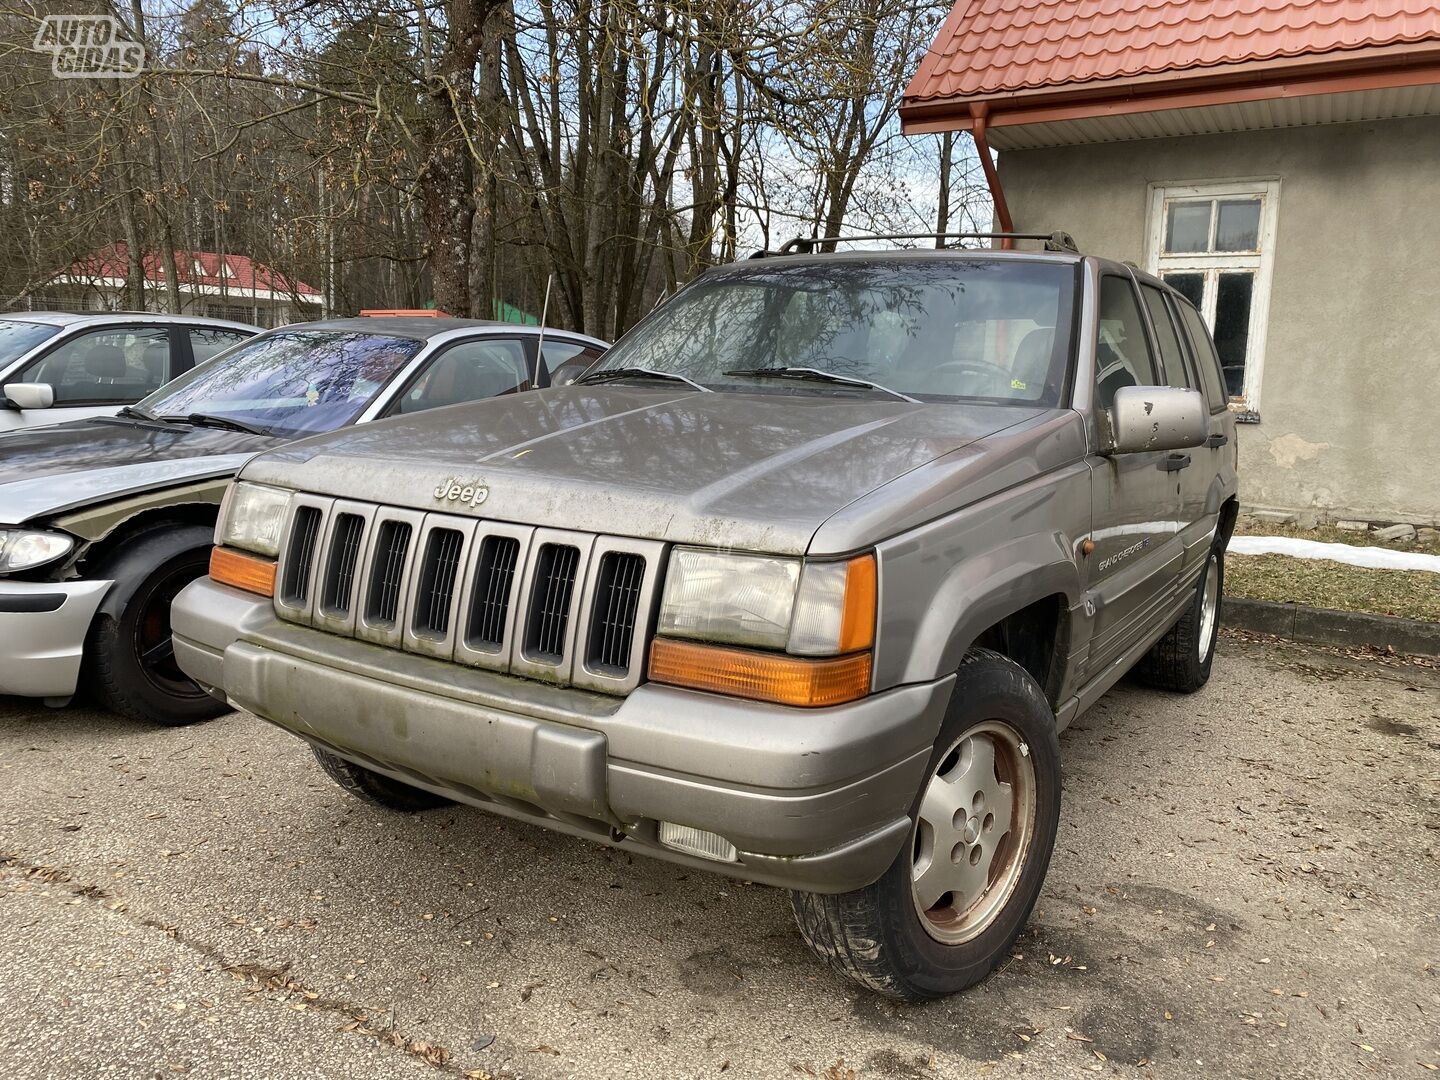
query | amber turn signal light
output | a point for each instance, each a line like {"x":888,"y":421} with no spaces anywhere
{"x":857,"y":621}
{"x":248,"y":572}
{"x":760,"y":676}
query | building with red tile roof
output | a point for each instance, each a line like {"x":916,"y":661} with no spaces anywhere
{"x":210,"y":283}
{"x":1277,"y":162}
{"x":1023,"y":62}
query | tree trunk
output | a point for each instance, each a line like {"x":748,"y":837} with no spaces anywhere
{"x":447,"y":175}
{"x":942,"y":213}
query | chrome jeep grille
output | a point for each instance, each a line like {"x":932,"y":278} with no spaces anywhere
{"x":569,"y":608}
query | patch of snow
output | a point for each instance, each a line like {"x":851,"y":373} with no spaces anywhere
{"x":1372,"y":558}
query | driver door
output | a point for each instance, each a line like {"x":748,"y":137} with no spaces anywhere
{"x":98,"y":372}
{"x":467,"y":371}
{"x":1134,"y":568}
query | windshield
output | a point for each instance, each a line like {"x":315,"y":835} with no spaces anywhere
{"x":17,"y":338}
{"x":939,"y":329}
{"x":289,"y":382}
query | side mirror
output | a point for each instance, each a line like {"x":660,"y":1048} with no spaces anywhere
{"x":1157,"y":418}
{"x":30,"y":395}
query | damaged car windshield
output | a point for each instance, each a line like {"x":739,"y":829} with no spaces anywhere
{"x":936,"y":329}
{"x":293,"y":382}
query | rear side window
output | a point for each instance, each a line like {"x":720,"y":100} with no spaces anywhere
{"x":1122,"y":355}
{"x":1206,"y":358}
{"x":1167,"y":338}
{"x":205,"y":343}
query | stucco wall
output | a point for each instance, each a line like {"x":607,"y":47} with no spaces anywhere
{"x":1350,"y":402}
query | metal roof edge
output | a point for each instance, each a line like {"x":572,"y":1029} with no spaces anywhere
{"x":1231,"y":83}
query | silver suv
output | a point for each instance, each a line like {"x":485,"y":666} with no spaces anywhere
{"x":799,"y":583}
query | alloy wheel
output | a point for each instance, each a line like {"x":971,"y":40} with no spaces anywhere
{"x":973,"y":833}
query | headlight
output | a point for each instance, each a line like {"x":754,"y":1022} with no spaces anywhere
{"x":743,"y":599}
{"x":252,"y":518}
{"x":825,"y":609}
{"x":821,"y":614}
{"x":835,"y":608}
{"x":25,"y":549}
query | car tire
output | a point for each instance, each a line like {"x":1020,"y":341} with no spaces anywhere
{"x":878,"y":936}
{"x":1181,"y":660}
{"x":130,"y":655}
{"x":374,"y":788}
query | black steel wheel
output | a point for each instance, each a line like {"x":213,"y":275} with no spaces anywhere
{"x":130,"y":656}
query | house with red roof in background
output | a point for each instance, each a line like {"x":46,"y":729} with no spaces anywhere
{"x":215,"y":285}
{"x":1278,"y":162}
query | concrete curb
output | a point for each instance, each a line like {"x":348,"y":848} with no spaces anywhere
{"x":1324,"y":626}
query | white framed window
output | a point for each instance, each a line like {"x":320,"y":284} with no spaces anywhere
{"x":1215,"y":243}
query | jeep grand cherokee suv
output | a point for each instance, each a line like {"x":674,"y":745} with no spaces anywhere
{"x":798,"y":583}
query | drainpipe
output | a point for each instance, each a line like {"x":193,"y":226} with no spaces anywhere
{"x":978,"y":113}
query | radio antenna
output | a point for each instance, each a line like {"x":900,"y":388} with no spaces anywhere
{"x":544,"y":314}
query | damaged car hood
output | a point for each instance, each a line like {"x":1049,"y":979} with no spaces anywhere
{"x":56,"y":469}
{"x":757,"y":471}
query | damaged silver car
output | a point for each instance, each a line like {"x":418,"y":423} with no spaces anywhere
{"x":104,"y":520}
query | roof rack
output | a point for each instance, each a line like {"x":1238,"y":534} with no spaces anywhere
{"x":403,"y":313}
{"x":805,"y":245}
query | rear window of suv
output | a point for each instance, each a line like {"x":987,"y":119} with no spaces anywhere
{"x":938,"y":329}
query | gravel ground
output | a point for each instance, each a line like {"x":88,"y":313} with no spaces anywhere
{"x":1245,"y":884}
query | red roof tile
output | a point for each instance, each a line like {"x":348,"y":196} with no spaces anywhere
{"x":194,"y":268}
{"x":989,"y":47}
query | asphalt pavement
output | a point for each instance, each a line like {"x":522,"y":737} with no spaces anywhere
{"x":1246,"y":884}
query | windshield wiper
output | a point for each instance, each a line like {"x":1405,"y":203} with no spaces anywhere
{"x":200,"y":419}
{"x":611,"y":374}
{"x":811,"y":374}
{"x":130,"y":412}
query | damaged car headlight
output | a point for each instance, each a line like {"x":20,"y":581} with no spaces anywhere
{"x":25,"y":549}
{"x":252,"y":518}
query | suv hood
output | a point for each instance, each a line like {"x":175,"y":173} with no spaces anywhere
{"x":54,"y":469}
{"x":754,"y":471}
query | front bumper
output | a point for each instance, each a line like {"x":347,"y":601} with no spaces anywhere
{"x":815,"y":799}
{"x":43,"y":625}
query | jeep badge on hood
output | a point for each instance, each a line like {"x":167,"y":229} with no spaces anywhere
{"x":454,"y":489}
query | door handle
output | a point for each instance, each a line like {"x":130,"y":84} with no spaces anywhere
{"x":1176,"y":462}
{"x":1218,"y":439}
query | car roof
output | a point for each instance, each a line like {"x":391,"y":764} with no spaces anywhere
{"x":71,"y":318}
{"x":423,"y":328}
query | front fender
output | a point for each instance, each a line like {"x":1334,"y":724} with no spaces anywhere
{"x":975,"y":593}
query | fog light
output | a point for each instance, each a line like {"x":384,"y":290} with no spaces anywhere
{"x":697,"y":842}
